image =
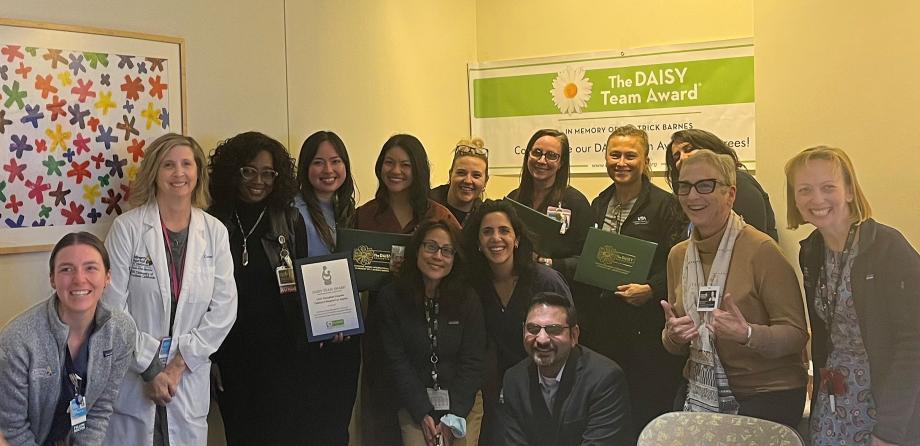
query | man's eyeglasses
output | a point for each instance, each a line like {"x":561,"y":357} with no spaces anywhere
{"x":551,"y":330}
{"x":703,"y":187}
{"x":432,"y":247}
{"x":464,"y":149}
{"x":250,"y":173}
{"x":539,"y":153}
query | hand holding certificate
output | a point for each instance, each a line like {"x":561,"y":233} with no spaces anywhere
{"x":609,"y":260}
{"x":329,"y":296}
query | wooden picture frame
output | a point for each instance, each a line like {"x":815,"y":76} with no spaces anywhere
{"x":78,"y":107}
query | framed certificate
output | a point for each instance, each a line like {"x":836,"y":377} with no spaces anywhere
{"x":329,"y":296}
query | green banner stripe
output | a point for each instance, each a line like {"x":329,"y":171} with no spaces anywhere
{"x":677,"y":84}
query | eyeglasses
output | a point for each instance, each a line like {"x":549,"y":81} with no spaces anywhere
{"x":432,"y":247}
{"x":703,"y":187}
{"x":464,"y":149}
{"x":539,"y":153}
{"x":250,"y":173}
{"x":551,"y":330}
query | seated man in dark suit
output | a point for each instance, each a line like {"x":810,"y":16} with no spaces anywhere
{"x":563,"y":393}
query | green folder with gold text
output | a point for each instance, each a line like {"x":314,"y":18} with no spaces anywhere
{"x":609,"y":260}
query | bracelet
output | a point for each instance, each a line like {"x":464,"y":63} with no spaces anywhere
{"x":749,"y":333}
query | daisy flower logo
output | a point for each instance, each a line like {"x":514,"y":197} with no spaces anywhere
{"x":571,"y":90}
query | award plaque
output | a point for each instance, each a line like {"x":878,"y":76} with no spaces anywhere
{"x":329,"y":296}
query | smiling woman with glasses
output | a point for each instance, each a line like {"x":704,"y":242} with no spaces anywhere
{"x":545,"y":188}
{"x":434,"y":341}
{"x":264,"y":361}
{"x":469,"y":174}
{"x":734,"y":305}
{"x":751,"y":201}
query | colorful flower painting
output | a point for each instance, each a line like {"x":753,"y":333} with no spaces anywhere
{"x":73,"y":130}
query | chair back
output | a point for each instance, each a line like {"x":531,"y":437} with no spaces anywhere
{"x":701,"y":428}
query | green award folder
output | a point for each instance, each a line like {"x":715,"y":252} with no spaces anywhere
{"x":372,"y":253}
{"x":609,"y":260}
{"x":544,"y":230}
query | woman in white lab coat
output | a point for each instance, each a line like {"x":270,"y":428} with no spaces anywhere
{"x":172,"y":272}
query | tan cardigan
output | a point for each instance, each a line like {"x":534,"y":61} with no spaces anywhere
{"x":764,"y":286}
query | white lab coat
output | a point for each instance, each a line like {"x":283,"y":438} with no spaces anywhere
{"x":205,"y":312}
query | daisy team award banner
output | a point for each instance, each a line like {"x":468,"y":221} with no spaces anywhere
{"x":661,"y":90}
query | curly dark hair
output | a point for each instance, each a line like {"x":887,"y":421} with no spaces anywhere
{"x":343,"y":201}
{"x":235,"y":152}
{"x":421,"y":174}
{"x":410,"y":279}
{"x":478,"y":264}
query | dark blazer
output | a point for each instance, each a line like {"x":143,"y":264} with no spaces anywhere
{"x":591,"y":408}
{"x":886,"y":294}
{"x":407,"y":349}
{"x":574,"y":237}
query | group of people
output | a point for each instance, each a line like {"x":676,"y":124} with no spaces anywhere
{"x":476,"y":339}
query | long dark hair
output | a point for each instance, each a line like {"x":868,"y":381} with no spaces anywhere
{"x":232,"y":154}
{"x":343,"y":200}
{"x":421,"y":174}
{"x":525,"y":189}
{"x":478,"y":264}
{"x":698,"y":139}
{"x":452,"y":286}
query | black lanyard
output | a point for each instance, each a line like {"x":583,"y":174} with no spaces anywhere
{"x":432,"y":310}
{"x":76,"y":381}
{"x":830,"y":298}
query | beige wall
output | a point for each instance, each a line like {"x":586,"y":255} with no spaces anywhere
{"x":844,"y":76}
{"x":368,"y":69}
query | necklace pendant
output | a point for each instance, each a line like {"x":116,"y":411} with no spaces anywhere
{"x":245,"y":255}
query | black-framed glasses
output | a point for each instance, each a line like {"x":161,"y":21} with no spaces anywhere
{"x":551,"y":330}
{"x":432,"y":247}
{"x":703,"y":187}
{"x":550,"y":156}
{"x":250,"y":173}
{"x":464,"y":149}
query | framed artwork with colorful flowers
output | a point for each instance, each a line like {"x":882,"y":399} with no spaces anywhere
{"x":78,"y":106}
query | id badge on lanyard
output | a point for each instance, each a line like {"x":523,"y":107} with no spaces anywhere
{"x":285,"y":272}
{"x":77,"y":407}
{"x":562,"y":215}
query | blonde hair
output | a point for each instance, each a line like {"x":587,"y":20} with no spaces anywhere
{"x":859,"y":207}
{"x":724,"y":164}
{"x":631,"y":131}
{"x":476,"y":142}
{"x":144,"y":186}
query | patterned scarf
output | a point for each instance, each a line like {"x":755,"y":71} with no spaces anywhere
{"x":708,"y":389}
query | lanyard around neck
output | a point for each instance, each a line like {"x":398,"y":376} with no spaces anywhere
{"x":175,"y":271}
{"x":432,"y":310}
{"x":830,"y":294}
